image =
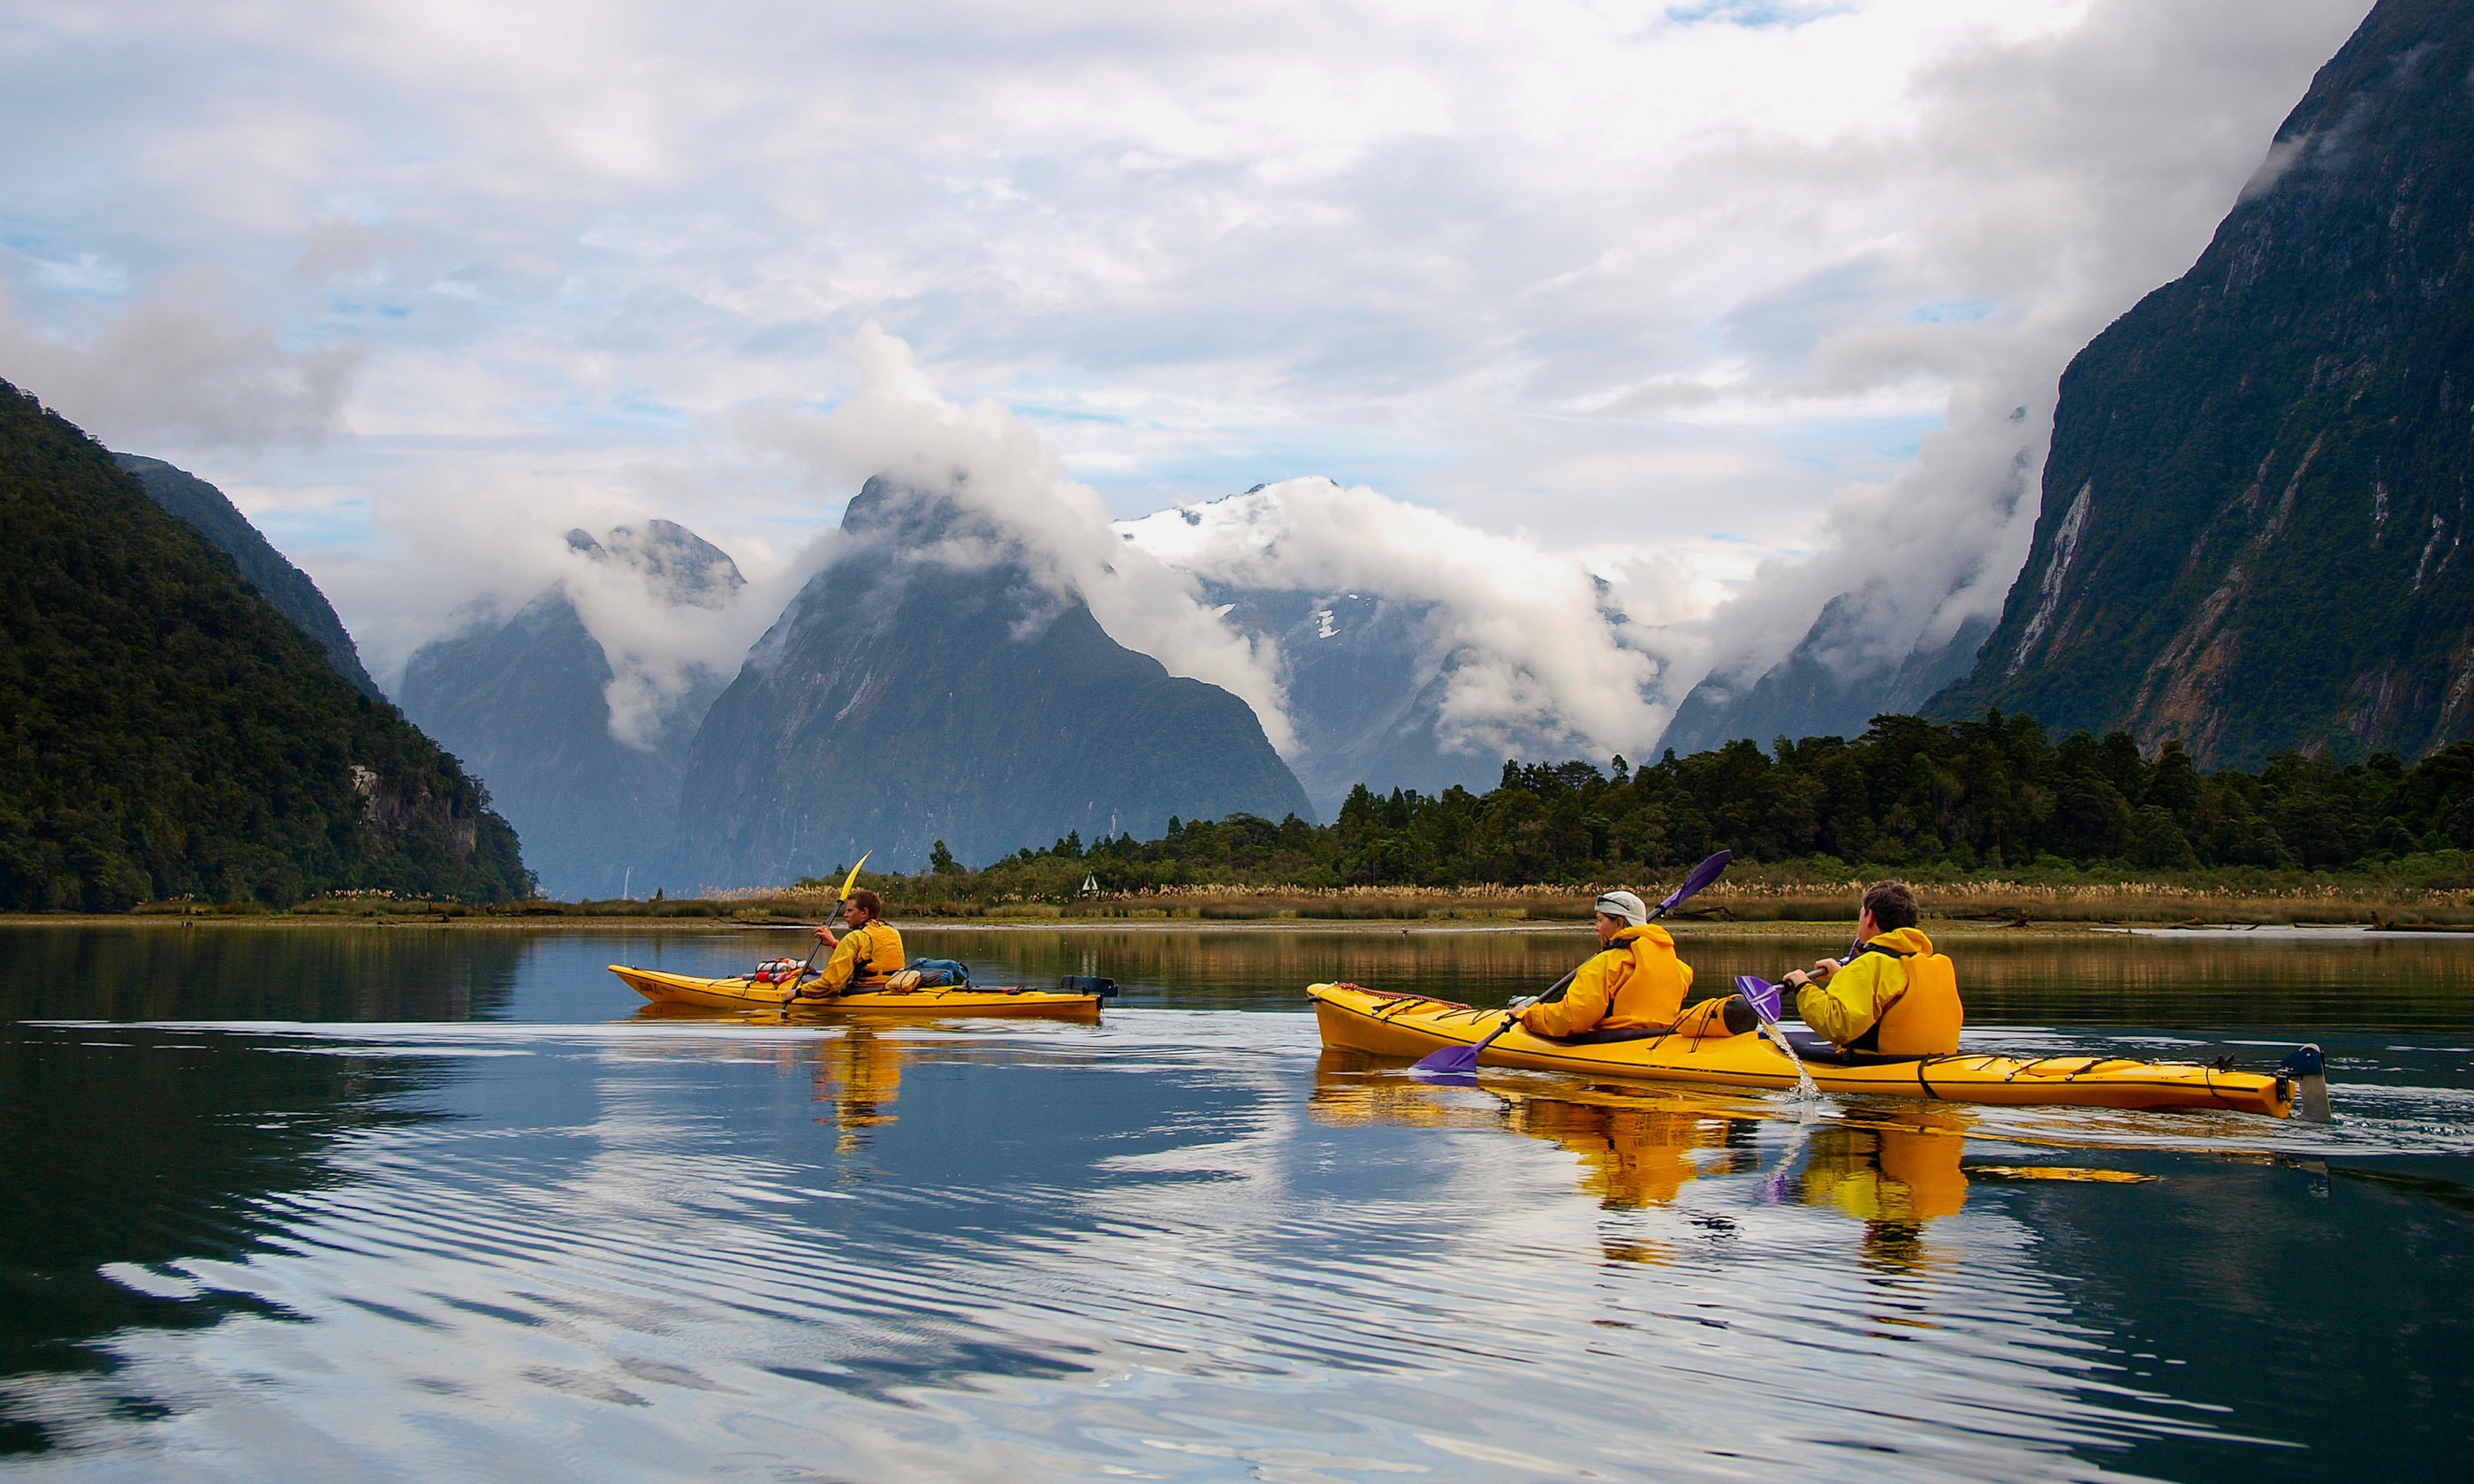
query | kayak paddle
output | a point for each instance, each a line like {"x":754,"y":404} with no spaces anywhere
{"x":810,"y":964}
{"x":1769,"y":1001}
{"x":1461,"y":1061}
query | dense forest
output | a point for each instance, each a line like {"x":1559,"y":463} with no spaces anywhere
{"x":165,"y":731}
{"x":1908,"y":793}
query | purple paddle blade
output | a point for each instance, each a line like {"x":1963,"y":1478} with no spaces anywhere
{"x":1766,"y":998}
{"x":1461,"y":1061}
{"x":1450,"y":1062}
{"x":1702,"y":875}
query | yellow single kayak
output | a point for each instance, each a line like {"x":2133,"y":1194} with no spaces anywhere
{"x":745,"y":993}
{"x":1412,"y":1025}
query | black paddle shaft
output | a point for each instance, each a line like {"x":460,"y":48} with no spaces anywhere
{"x":809,"y":963}
{"x":1460,"y":1060}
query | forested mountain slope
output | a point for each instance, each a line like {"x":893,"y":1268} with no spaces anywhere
{"x":2252,"y":534}
{"x":276,"y":580}
{"x":164,"y":731}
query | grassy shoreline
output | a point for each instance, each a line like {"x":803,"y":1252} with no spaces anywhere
{"x":1752,"y":901}
{"x":924,"y":928}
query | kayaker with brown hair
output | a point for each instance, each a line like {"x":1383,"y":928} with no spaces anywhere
{"x":1635,"y":983}
{"x":1893,"y":994}
{"x":864,"y":957}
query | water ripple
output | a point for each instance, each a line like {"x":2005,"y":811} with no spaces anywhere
{"x":1175,"y":1246}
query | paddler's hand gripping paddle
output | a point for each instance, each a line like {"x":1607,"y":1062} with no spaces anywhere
{"x":1461,"y":1061}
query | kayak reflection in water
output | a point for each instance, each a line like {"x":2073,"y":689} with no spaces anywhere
{"x":861,"y":1074}
{"x":1633,"y":1156}
{"x":864,"y":958}
{"x":1892,"y":1177}
{"x":1638,"y":1151}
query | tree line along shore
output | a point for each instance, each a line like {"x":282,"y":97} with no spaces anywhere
{"x":1764,"y":901}
{"x":1992,"y":820}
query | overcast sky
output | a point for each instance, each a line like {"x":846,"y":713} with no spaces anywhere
{"x":421,"y":285}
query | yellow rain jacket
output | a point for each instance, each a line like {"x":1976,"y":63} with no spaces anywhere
{"x":1635,"y":981}
{"x":865,"y":959}
{"x":1900,"y":997}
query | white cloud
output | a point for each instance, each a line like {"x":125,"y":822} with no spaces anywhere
{"x":1538,"y":654}
{"x":988,"y":459}
{"x":2057,"y":180}
{"x":182,"y":364}
{"x":1650,"y":282}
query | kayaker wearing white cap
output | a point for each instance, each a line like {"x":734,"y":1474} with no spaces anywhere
{"x":1636,"y":983}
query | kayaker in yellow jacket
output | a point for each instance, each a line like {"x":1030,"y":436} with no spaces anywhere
{"x":864,"y":957}
{"x":1635,"y":983}
{"x":1894,"y":994}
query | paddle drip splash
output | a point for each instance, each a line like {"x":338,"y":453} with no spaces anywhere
{"x":1767,"y":1000}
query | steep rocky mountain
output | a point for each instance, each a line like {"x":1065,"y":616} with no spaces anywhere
{"x":1370,"y":661}
{"x":1828,"y":685}
{"x":925,"y":686}
{"x":524,"y":702}
{"x":165,"y":732}
{"x":2252,"y":530}
{"x":276,"y":580}
{"x":1366,"y":689}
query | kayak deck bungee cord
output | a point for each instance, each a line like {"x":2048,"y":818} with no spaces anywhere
{"x":1417,"y":1025}
{"x":746,"y":992}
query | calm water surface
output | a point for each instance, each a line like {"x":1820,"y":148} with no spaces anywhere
{"x":419,"y":1203}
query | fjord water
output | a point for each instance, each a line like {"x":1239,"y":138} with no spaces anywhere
{"x":416,"y":1202}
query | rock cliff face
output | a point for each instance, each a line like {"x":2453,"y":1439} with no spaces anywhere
{"x":524,"y":703}
{"x":1366,"y":692}
{"x":2252,"y":533}
{"x":276,"y":580}
{"x":1398,"y":670}
{"x":165,"y":732}
{"x":1827,"y":688}
{"x":925,"y":686}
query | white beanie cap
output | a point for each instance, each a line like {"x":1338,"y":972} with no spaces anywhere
{"x":1624,"y":905}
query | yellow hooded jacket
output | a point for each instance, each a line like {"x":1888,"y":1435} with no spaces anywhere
{"x":1857,"y":997}
{"x":863,"y":960}
{"x":1635,"y":981}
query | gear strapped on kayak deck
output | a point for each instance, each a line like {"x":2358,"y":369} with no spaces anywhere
{"x":1074,"y":996}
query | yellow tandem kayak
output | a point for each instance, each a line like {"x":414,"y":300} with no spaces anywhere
{"x":741,"y":992}
{"x":1412,"y":1025}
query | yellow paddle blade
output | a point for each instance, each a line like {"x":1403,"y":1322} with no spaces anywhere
{"x":851,"y":879}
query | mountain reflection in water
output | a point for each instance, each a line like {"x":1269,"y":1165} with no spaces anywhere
{"x":419,"y":1205}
